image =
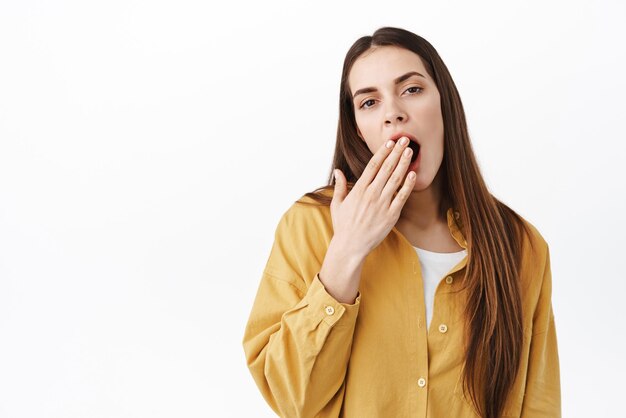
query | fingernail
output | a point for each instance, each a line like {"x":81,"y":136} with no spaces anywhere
{"x":389,"y":144}
{"x":404,"y":140}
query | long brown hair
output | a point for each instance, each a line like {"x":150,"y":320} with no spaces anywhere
{"x":493,"y":231}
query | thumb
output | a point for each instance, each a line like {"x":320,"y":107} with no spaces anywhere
{"x":340,"y":186}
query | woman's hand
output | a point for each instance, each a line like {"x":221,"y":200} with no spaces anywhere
{"x":363,"y":217}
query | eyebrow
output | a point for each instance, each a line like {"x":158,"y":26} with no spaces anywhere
{"x":396,"y":81}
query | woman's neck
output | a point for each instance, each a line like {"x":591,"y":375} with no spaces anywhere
{"x":422,"y":222}
{"x":422,"y":210}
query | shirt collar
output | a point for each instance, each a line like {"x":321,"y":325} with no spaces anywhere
{"x":455,"y":225}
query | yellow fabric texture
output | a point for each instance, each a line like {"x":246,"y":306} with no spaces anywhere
{"x":312,"y":356}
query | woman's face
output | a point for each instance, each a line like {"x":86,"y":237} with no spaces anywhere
{"x":388,"y":101}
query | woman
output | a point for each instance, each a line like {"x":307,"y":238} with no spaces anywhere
{"x":404,"y":288}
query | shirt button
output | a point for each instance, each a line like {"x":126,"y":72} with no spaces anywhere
{"x":443,"y":328}
{"x":449,"y":279}
{"x":421,"y":382}
{"x":330,"y":310}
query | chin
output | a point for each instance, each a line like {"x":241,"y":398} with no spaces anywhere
{"x":422,"y":183}
{"x":420,"y":187}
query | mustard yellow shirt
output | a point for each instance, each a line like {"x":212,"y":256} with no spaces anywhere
{"x":312,"y":356}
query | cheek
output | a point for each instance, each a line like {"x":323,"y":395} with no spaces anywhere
{"x":432,"y":116}
{"x":363,"y":122}
{"x":431,"y":119}
{"x":366,"y":130}
{"x":434,"y":136}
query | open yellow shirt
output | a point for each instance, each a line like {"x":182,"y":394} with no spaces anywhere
{"x":312,"y":356}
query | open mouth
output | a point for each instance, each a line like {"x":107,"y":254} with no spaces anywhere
{"x":416,"y":149}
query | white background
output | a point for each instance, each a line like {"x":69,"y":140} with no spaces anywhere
{"x":148,"y":150}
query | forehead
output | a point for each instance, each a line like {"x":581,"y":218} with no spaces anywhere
{"x":379,"y":66}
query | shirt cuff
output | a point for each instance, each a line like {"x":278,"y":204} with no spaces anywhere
{"x":319,"y":300}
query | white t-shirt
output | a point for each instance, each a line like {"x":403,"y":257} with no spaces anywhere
{"x":435,"y":266}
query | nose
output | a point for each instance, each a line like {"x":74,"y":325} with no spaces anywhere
{"x":394,"y":115}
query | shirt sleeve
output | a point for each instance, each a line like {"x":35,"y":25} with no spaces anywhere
{"x":298,"y":337}
{"x":543,"y":388}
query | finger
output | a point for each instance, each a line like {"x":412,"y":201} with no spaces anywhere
{"x":398,"y":202}
{"x":388,"y":167}
{"x":340,"y":187}
{"x":373,"y":166}
{"x":398,"y":174}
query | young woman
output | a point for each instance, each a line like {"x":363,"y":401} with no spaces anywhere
{"x":404,"y":288}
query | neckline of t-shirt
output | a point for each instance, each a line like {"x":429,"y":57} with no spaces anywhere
{"x":432,"y":254}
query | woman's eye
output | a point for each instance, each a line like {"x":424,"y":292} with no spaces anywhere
{"x":414,"y":87}
{"x":365,"y":102}
{"x":366,"y":106}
